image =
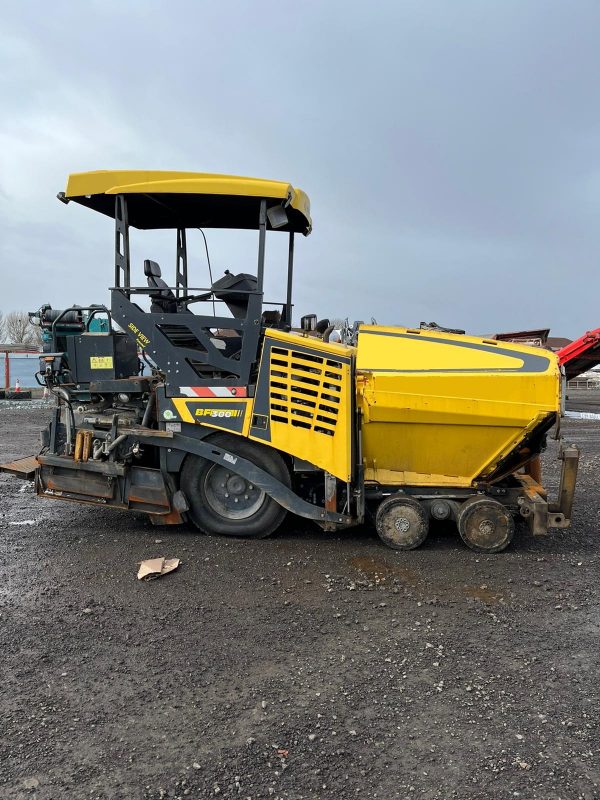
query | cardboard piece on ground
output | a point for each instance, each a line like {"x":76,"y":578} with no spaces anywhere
{"x":156,"y":567}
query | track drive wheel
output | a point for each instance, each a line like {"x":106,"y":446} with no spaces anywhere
{"x":402,"y":522}
{"x":226,"y":504}
{"x":485,"y":525}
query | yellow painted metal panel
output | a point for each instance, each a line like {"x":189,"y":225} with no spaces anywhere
{"x":214,"y":412}
{"x":312,"y":342}
{"x":112,"y":182}
{"x":405,"y":349}
{"x":310,"y":400}
{"x":442,"y":409}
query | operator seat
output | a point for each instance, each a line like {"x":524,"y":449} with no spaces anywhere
{"x":165,"y":302}
{"x":235,"y":291}
{"x":163,"y":299}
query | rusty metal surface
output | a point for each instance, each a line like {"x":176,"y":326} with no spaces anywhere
{"x":330,"y":492}
{"x":569,"y":456}
{"x":103,"y":467}
{"x":534,"y":468}
{"x":170,"y":518}
{"x":138,"y":489}
{"x":87,"y":445}
{"x":78,"y":446}
{"x":533,"y":505}
{"x":86,"y":484}
{"x":23,"y":468}
{"x":149,"y":495}
{"x":139,"y":431}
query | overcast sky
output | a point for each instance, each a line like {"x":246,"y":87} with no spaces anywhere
{"x":450,"y":149}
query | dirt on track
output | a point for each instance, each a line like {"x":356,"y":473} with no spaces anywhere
{"x":302,"y":666}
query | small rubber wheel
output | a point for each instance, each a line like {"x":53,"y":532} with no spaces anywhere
{"x":224,"y":503}
{"x":402,"y":523}
{"x":485,"y":525}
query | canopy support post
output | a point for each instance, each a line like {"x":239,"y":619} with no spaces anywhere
{"x":122,"y":261}
{"x":262,"y":235}
{"x":181,"y":266}
{"x":290,"y":273}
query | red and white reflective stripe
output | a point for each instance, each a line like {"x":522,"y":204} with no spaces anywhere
{"x":213,"y":391}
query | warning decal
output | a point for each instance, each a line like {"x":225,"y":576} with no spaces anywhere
{"x":101,"y":362}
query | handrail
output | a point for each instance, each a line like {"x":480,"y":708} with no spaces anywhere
{"x":209,"y":292}
{"x":146,"y":289}
{"x":94,"y":309}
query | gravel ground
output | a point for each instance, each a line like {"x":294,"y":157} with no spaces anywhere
{"x":584,"y":400}
{"x":306,"y":665}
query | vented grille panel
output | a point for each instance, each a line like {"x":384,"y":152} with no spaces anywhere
{"x":305,"y":390}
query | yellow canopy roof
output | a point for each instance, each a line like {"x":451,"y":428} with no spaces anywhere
{"x":161,"y":199}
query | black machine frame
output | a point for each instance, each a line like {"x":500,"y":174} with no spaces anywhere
{"x":184,"y":345}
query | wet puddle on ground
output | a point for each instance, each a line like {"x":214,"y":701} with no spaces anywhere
{"x":482,"y":593}
{"x":381,"y":572}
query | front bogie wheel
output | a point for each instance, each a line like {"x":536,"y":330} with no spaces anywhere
{"x":222,"y":502}
{"x":485,"y":525}
{"x":402,"y":522}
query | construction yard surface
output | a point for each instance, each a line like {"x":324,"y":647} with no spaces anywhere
{"x":302,"y":666}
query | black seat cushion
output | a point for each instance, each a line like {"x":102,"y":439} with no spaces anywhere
{"x":234,"y":291}
{"x":271,"y":319}
{"x":163,"y":298}
{"x":152,"y":269}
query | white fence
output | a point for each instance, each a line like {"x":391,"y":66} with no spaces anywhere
{"x":589,"y":383}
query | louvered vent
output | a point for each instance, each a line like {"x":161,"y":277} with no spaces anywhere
{"x":305,"y":390}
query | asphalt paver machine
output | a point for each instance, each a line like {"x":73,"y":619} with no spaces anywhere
{"x":205,"y":405}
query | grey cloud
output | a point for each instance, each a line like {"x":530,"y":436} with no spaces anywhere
{"x":449,"y":149}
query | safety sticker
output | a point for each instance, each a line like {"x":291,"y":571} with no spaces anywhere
{"x":214,"y":391}
{"x":101,"y":362}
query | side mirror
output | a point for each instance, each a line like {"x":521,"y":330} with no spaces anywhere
{"x":308,"y":323}
{"x":277,"y":216}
